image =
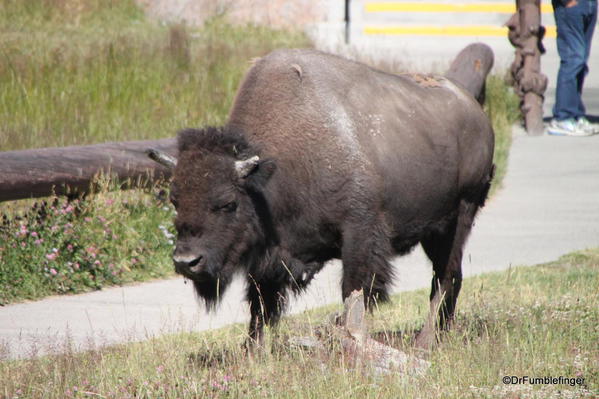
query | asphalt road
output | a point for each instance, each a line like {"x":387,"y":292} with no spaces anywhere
{"x":549,"y":206}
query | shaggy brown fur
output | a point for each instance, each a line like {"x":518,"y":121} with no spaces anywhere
{"x":354,"y":164}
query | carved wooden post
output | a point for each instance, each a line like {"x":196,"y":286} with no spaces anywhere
{"x":526,"y":34}
{"x":346,"y":19}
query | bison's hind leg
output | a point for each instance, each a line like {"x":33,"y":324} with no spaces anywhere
{"x":445,"y":250}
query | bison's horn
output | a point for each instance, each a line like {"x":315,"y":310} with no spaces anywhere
{"x":162,"y":158}
{"x":245,"y":167}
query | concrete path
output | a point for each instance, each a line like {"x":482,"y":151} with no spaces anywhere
{"x":549,"y":206}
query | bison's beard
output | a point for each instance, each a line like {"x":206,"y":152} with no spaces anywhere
{"x":210,"y":289}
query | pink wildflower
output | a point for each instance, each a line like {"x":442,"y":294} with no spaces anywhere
{"x":34,"y":234}
{"x":51,"y":256}
{"x":92,"y":251}
{"x":53,"y":272}
{"x":23,"y":231}
{"x":67,"y":209}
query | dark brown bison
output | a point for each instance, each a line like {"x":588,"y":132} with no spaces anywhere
{"x":327,"y":158}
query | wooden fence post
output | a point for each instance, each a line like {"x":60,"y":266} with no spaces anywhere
{"x":526,"y":35}
{"x":347,"y":21}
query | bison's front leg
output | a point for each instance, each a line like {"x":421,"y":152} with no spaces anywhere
{"x":267,"y":301}
{"x":365,"y":267}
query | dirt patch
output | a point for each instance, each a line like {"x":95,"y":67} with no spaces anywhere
{"x":274,"y":13}
{"x":425,"y":80}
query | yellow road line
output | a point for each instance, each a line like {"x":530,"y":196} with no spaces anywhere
{"x":471,"y":30}
{"x":506,"y":8}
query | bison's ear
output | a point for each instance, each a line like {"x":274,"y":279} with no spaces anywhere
{"x":254,"y":171}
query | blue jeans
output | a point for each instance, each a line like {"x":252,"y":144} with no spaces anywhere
{"x":575,"y":26}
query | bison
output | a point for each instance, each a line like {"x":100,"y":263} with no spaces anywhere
{"x":325,"y":158}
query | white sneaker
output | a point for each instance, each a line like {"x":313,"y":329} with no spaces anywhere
{"x":567,"y":127}
{"x":584,"y":124}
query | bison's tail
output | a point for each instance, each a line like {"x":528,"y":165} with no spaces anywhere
{"x":487,"y":187}
{"x":477,"y":195}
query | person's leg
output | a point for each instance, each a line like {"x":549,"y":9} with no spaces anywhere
{"x":589,"y":27}
{"x":589,"y":20}
{"x":571,"y":47}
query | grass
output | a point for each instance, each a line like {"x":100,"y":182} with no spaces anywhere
{"x":77,"y":72}
{"x":502,"y":107}
{"x":59,"y":247}
{"x":528,"y":321}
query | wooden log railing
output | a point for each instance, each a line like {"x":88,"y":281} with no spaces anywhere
{"x":471,"y":67}
{"x":71,"y":170}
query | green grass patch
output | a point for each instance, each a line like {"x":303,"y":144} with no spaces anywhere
{"x":502,"y":107}
{"x":78,"y":72}
{"x":528,"y":321}
{"x":60,"y":246}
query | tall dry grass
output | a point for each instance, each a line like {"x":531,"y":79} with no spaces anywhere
{"x":83,"y":71}
{"x":528,"y":321}
{"x":75,"y":72}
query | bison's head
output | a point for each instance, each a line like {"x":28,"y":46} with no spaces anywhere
{"x":217,"y":190}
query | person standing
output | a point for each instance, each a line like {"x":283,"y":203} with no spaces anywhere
{"x":575,"y":20}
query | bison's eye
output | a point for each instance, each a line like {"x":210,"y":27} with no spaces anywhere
{"x":228,"y":207}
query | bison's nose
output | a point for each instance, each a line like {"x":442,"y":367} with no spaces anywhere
{"x":189,"y":263}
